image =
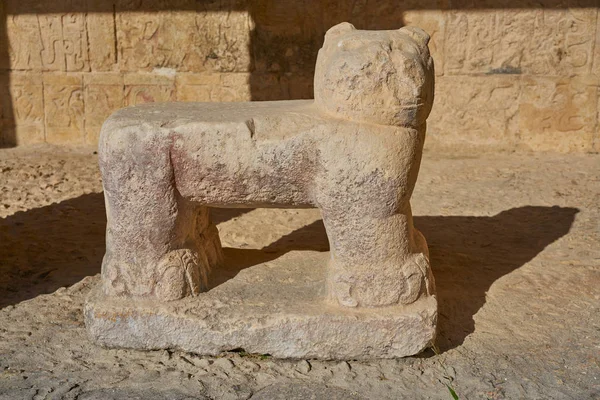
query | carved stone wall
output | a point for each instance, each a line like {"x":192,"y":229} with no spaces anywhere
{"x":511,"y":74}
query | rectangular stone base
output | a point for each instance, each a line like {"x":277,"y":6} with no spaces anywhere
{"x":277,"y":308}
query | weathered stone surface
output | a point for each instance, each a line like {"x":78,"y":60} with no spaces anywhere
{"x":136,"y":394}
{"x":47,"y":42}
{"x":196,"y":87}
{"x":432,"y":21}
{"x":531,"y":113}
{"x":258,"y":154}
{"x":102,"y":39}
{"x":375,"y":76}
{"x":530,"y":41}
{"x":148,"y":88}
{"x":212,"y":37}
{"x":596,"y":62}
{"x":23,"y":42}
{"x":490,"y":324}
{"x":465,"y":99}
{"x":22,"y":101}
{"x":551,"y":108}
{"x":278,"y":311}
{"x":103,"y":95}
{"x":288,"y":34}
{"x":164,"y":164}
{"x":213,"y":87}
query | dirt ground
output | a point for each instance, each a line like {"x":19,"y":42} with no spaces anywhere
{"x":514,"y":241}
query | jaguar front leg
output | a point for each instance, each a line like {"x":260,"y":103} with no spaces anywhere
{"x":372,"y":260}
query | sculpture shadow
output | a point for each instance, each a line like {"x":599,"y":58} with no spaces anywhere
{"x":468,"y":254}
{"x":311,"y":237}
{"x":58,"y":245}
{"x":54,"y":246}
{"x":46,"y":248}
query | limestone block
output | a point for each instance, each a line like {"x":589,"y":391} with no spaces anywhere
{"x":24,"y":100}
{"x":102,"y":39}
{"x":225,"y":34}
{"x":356,"y":159}
{"x":298,"y":86}
{"x":24,"y":42}
{"x":232,"y":87}
{"x":596,"y":72}
{"x":74,"y":41}
{"x":269,"y":86}
{"x":223,"y":93}
{"x":148,"y":88}
{"x":22,"y":134}
{"x":235,"y":80}
{"x":102,"y":96}
{"x":205,"y":37}
{"x":4,"y":61}
{"x":596,"y":136}
{"x":538,"y":41}
{"x":288,"y":34}
{"x":378,"y":15}
{"x":195,"y":87}
{"x":152,"y":40}
{"x":52,"y":54}
{"x":205,"y":79}
{"x":64,"y":108}
{"x":596,"y":63}
{"x":464,"y":99}
{"x":551,"y":109}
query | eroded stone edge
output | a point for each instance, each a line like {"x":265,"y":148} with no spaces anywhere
{"x":378,"y":333}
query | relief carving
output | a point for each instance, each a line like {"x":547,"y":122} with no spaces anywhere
{"x":24,"y":42}
{"x":102,"y":41}
{"x":47,"y":42}
{"x":74,"y":42}
{"x":138,"y":94}
{"x":551,"y":108}
{"x":533,"y":41}
{"x":211,"y":37}
{"x":103,"y":95}
{"x":64,"y":108}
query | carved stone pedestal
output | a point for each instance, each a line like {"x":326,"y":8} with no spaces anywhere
{"x":277,"y":308}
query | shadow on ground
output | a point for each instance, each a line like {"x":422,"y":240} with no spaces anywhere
{"x":50,"y":247}
{"x":468,"y":254}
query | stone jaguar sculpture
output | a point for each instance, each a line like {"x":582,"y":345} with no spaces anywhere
{"x":353,"y":152}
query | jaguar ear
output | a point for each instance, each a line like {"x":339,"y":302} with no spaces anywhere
{"x":339,"y":29}
{"x":416,"y":34}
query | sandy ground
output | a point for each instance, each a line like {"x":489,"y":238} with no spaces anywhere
{"x":514,"y":242}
